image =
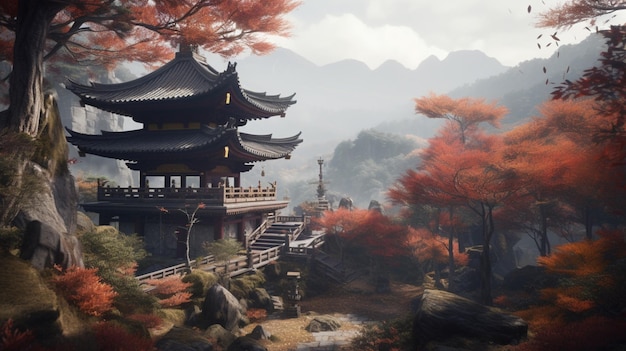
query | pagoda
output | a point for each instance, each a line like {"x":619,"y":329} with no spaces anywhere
{"x":190,"y":152}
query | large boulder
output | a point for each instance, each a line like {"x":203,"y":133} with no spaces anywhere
{"x":183,"y":339}
{"x":245,"y":343}
{"x":220,"y":336}
{"x":323,"y":323}
{"x":221,"y":307}
{"x":441,"y":315}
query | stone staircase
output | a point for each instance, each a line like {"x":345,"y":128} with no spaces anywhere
{"x":334,"y":269}
{"x":276,"y":235}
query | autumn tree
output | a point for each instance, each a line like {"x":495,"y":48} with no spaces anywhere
{"x":105,"y":32}
{"x":461,"y":167}
{"x":569,"y":13}
{"x":369,"y":231}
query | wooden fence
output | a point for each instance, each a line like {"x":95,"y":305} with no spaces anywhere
{"x":234,"y":267}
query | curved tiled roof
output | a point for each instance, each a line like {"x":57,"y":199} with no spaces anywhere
{"x":141,"y":144}
{"x":187,"y":76}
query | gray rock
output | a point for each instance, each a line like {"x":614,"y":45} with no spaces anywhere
{"x":323,"y":323}
{"x":260,"y":333}
{"x":261,"y":299}
{"x":54,"y":240}
{"x":442,"y":315}
{"x":183,"y":339}
{"x":220,"y":335}
{"x":221,"y":307}
{"x":244,"y":343}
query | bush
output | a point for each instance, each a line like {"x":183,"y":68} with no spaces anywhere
{"x":242,"y":287}
{"x":115,"y":256}
{"x":12,"y":339}
{"x":174,"y":316}
{"x":170,"y":291}
{"x":200,"y":282}
{"x":83,"y":288}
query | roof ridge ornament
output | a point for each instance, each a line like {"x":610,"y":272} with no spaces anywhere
{"x":231,"y":67}
{"x":187,"y":46}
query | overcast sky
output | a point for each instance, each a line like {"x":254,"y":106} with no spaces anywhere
{"x":408,"y":31}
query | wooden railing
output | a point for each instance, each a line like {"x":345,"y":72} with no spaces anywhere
{"x":236,"y":266}
{"x":206,"y":195}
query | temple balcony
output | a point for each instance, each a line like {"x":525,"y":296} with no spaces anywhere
{"x":209,"y":196}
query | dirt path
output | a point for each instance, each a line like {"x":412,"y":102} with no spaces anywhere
{"x":356,"y":298}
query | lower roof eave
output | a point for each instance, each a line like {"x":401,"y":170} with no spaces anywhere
{"x":117,"y":208}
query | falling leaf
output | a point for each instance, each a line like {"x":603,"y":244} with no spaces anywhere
{"x":555,"y":37}
{"x":546,"y":81}
{"x":540,"y":35}
{"x":529,"y":8}
{"x":587,"y":28}
{"x":544,"y":69}
{"x":567,"y":70}
{"x":539,"y":45}
{"x":548,"y":44}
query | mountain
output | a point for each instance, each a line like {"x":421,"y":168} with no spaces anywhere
{"x":338,"y":100}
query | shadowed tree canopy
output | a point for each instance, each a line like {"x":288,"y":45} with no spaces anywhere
{"x":105,"y":32}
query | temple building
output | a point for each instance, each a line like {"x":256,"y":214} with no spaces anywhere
{"x":189,"y":155}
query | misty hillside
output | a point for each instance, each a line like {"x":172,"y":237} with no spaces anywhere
{"x":338,"y":100}
{"x":521,"y":89}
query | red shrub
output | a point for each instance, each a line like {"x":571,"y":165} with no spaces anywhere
{"x":171,"y":291}
{"x":12,"y":339}
{"x":256,"y":314}
{"x":83,"y":288}
{"x":177,"y":299}
{"x":112,"y":337}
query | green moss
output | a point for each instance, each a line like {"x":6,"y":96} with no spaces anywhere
{"x":200,"y":281}
{"x":174,"y":316}
{"x":22,"y":290}
{"x":242,"y":286}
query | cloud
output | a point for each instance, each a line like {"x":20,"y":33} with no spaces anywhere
{"x":345,"y":36}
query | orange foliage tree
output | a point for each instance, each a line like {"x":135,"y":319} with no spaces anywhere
{"x":584,"y":310}
{"x":366,"y":229}
{"x":570,"y":163}
{"x":461,"y":167}
{"x":104,"y":32}
{"x":84,"y":288}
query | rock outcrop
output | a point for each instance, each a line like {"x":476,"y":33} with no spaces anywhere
{"x":48,"y":214}
{"x":221,"y":307}
{"x":441,"y":315}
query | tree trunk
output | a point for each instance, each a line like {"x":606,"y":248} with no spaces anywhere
{"x":26,"y":82}
{"x":485,"y":257}
{"x":451,"y":275}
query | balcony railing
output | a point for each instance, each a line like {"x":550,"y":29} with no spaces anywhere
{"x":207,"y":195}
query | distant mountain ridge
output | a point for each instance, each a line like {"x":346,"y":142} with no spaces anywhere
{"x":337,"y":100}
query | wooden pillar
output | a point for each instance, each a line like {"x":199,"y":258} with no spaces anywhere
{"x":241,"y":235}
{"x":219,"y":228}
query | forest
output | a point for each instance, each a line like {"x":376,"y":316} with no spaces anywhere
{"x":455,"y":210}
